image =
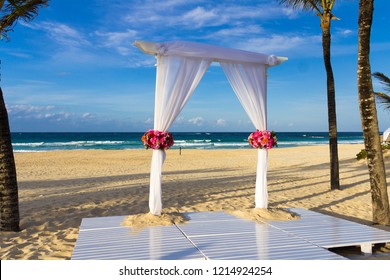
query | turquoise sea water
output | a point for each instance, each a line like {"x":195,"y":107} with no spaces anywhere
{"x":38,"y":142}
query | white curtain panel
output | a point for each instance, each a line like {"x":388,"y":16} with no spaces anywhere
{"x":177,"y":77}
{"x":249,"y":82}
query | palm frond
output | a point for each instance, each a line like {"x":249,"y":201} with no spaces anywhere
{"x":384,"y":99}
{"x":308,"y":5}
{"x":14,"y":10}
{"x":383,"y":79}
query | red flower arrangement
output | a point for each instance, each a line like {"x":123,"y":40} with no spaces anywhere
{"x":262,"y":139}
{"x":156,"y":139}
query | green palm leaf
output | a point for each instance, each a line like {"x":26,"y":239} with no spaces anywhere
{"x":383,"y":79}
{"x":384,"y":99}
{"x":13,"y":10}
{"x":381,"y":96}
{"x":301,"y":4}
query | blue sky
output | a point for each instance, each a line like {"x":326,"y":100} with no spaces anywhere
{"x":74,"y":68}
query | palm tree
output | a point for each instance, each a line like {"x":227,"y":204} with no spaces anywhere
{"x":9,"y":219}
{"x":10,"y":12}
{"x":383,"y":97}
{"x":324,"y":11}
{"x":369,"y":119}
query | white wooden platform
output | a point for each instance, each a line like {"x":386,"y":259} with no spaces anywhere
{"x":222,"y":236}
{"x":331,"y":232}
{"x":104,"y":239}
{"x":217,"y":235}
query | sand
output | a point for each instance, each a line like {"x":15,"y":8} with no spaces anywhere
{"x":140,"y":221}
{"x":58,"y":189}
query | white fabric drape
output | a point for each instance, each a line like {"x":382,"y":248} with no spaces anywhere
{"x":215,"y":53}
{"x":181,"y":65}
{"x":177,"y":77}
{"x":249,"y":82}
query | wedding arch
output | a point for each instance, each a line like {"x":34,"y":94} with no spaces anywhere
{"x":180,"y":67}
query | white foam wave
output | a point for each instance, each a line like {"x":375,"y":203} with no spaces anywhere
{"x":310,"y":143}
{"x":206,"y":140}
{"x":236,"y":144}
{"x":36,"y":144}
{"x":351,"y":141}
{"x":29,"y":151}
{"x":185,"y":144}
{"x":70,"y":143}
{"x":193,"y":141}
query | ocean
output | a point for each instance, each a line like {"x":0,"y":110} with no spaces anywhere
{"x":49,"y":141}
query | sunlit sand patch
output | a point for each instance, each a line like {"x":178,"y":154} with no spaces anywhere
{"x":260,"y":214}
{"x":148,"y":219}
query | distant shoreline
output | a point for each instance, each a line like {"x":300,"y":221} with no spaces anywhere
{"x":51,"y":141}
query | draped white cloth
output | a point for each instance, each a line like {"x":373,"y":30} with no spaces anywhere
{"x":249,"y":82}
{"x":177,"y":77}
{"x":180,"y":66}
{"x":214,"y":53}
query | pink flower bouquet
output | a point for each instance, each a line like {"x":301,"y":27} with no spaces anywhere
{"x":155,"y":139}
{"x":262,"y":139}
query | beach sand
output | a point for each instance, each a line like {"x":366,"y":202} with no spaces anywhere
{"x":58,"y":189}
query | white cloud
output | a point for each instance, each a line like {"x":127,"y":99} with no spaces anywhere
{"x":87,"y":116}
{"x":148,"y":121}
{"x":61,"y":33}
{"x":197,"y":14}
{"x":221,"y":122}
{"x":75,"y":46}
{"x":169,"y":4}
{"x":16,"y":109}
{"x":237,"y":25}
{"x":20,"y":54}
{"x":67,"y":45}
{"x":48,"y":113}
{"x":276,"y":44}
{"x":238,"y":31}
{"x":120,"y":41}
{"x":290,"y":12}
{"x":344,"y":32}
{"x":198,"y":121}
{"x":180,"y":120}
{"x":115,"y":38}
{"x":167,"y":19}
{"x":200,"y":16}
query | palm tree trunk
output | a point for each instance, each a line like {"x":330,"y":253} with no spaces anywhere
{"x":9,"y":202}
{"x":332,"y":121}
{"x":368,"y":114}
